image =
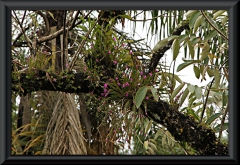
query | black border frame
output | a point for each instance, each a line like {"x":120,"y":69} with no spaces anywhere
{"x":5,"y":77}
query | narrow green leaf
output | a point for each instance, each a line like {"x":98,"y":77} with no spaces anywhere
{"x":140,"y":95}
{"x":183,"y":38}
{"x":212,"y":118}
{"x":197,"y":23}
{"x":148,"y":126}
{"x":173,"y":37}
{"x":196,"y":71}
{"x":191,"y":49}
{"x":218,"y":13}
{"x":193,"y":18}
{"x":175,"y":47}
{"x":192,"y":113}
{"x":126,"y":16}
{"x":186,"y":63}
{"x":191,"y":88}
{"x":217,"y":78}
{"x":184,"y":95}
{"x":224,"y":127}
{"x":177,"y":90}
{"x":154,"y":93}
{"x":160,"y":44}
{"x":198,"y":92}
{"x":211,"y":35}
{"x":159,"y":132}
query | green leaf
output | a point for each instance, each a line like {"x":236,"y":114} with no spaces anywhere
{"x":218,"y":13}
{"x":191,"y":88}
{"x":140,"y":95}
{"x":159,"y":132}
{"x":175,"y":47}
{"x":224,"y":127}
{"x":210,"y":72}
{"x":196,"y":71}
{"x":212,"y":118}
{"x":160,"y":44}
{"x":154,"y":93}
{"x":146,"y":144}
{"x":177,"y":90}
{"x":183,"y":37}
{"x":184,"y":95}
{"x":198,"y":92}
{"x":191,"y":49}
{"x":211,"y":35}
{"x":126,"y":16}
{"x":186,"y":63}
{"x":173,"y":37}
{"x":148,"y":126}
{"x":192,"y":113}
{"x":197,"y":23}
{"x":193,"y":18}
{"x":217,"y":78}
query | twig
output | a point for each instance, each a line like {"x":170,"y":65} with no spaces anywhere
{"x":205,"y":104}
{"x":225,"y":37}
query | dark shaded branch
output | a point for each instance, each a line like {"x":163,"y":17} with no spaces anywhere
{"x":185,"y":128}
{"x":41,"y":80}
{"x":159,"y":54}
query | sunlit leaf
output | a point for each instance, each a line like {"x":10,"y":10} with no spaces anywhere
{"x":145,"y":144}
{"x":211,"y":35}
{"x":197,"y":23}
{"x":218,"y":13}
{"x":160,"y":44}
{"x":191,"y":88}
{"x":193,"y":18}
{"x":198,"y":92}
{"x":159,"y":132}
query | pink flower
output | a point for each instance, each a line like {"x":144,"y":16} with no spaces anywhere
{"x":114,"y":38}
{"x":105,"y":90}
{"x":105,"y":85}
{"x":130,"y":52}
{"x":141,"y":73}
{"x":126,"y":94}
{"x":85,"y":69}
{"x":115,"y":62}
{"x":123,"y":44}
{"x":116,"y":78}
{"x":147,"y":98}
{"x":55,"y":80}
{"x":109,"y":52}
{"x":131,"y":79}
{"x":144,"y":76}
{"x":156,"y":70}
{"x":150,"y":74}
{"x":66,"y":64}
{"x":123,"y":85}
{"x":88,"y":77}
{"x":127,"y":84}
{"x":118,"y":84}
{"x":96,"y":60}
{"x":45,"y":52}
